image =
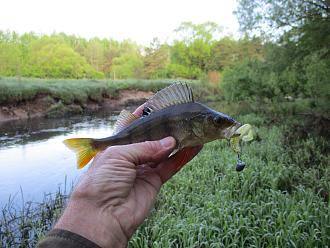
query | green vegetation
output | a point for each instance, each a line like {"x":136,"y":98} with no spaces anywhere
{"x":64,"y":97}
{"x":281,"y":199}
{"x":68,"y":96}
{"x":296,"y":58}
{"x":23,"y":226}
{"x":64,"y":56}
{"x":69,"y":91}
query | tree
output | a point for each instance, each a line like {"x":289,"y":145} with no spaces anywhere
{"x":295,"y":60}
{"x":193,"y":51}
{"x":205,"y":32}
{"x":127,"y":66}
{"x":51,"y":57}
{"x":94,"y":53}
{"x":128,"y":63}
{"x":156,"y":59}
{"x":228,"y":51}
{"x":260,"y":14}
{"x":10,"y":59}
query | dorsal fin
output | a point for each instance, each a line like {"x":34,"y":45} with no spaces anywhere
{"x":124,"y":119}
{"x":174,"y":94}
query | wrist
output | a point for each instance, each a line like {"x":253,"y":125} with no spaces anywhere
{"x":87,"y":220}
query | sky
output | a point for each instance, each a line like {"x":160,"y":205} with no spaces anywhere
{"x":139,"y":20}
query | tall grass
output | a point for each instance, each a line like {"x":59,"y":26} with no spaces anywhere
{"x":281,"y":199}
{"x":24,"y":224}
{"x":13,"y":90}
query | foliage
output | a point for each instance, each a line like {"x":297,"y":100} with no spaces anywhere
{"x":197,"y":51}
{"x":270,"y":16}
{"x":10,"y":59}
{"x":248,"y":80}
{"x":127,"y":66}
{"x":156,"y":60}
{"x":52,"y":58}
{"x":227,"y":52}
{"x":194,"y":50}
{"x":296,"y":66}
{"x":317,"y":78}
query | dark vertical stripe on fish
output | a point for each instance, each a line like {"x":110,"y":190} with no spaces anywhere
{"x":152,"y":133}
{"x":165,"y":126}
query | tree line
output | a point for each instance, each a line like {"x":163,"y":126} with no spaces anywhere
{"x":193,"y":55}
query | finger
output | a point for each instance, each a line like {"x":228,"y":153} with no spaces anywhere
{"x":169,"y":168}
{"x":139,"y":111}
{"x":144,"y":152}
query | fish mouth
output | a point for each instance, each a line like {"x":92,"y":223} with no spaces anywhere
{"x":230,"y":132}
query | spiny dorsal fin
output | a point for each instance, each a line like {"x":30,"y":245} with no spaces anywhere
{"x":174,"y":94}
{"x":124,"y":119}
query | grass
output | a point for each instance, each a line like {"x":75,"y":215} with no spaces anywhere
{"x":13,"y":90}
{"x":60,"y":97}
{"x":281,"y":199}
{"x":23,"y":226}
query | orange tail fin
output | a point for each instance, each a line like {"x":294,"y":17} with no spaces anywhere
{"x":83,"y":148}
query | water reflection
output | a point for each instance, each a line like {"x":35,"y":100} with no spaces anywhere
{"x":33,"y":157}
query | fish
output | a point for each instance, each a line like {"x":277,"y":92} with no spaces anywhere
{"x":172,"y":111}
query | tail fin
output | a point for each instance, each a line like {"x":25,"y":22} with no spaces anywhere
{"x":83,"y":148}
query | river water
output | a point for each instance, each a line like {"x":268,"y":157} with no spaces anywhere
{"x":33,"y":159}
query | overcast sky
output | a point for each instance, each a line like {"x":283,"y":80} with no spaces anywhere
{"x":139,"y":20}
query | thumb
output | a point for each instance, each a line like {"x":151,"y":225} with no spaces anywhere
{"x":144,"y":152}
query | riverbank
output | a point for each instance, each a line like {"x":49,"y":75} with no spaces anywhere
{"x":46,"y":106}
{"x":30,"y":98}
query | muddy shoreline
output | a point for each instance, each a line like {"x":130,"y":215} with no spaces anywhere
{"x":43,"y":106}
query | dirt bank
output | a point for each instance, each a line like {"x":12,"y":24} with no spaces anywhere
{"x":45,"y":106}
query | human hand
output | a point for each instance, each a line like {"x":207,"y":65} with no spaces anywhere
{"x":115,"y":195}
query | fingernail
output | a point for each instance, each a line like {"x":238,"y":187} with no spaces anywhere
{"x":167,"y":142}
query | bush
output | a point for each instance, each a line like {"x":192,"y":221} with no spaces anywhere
{"x":318,"y":79}
{"x":250,"y":79}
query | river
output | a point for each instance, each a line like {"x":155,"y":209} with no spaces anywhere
{"x":33,"y":159}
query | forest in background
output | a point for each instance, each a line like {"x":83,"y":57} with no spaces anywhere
{"x":69,"y":56}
